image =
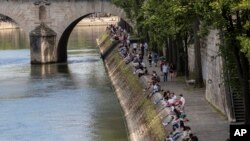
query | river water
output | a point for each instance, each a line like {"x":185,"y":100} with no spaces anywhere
{"x":57,"y":102}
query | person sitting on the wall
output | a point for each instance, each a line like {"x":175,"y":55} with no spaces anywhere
{"x":142,"y":71}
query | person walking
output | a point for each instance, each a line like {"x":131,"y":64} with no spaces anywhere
{"x":165,"y":72}
{"x":155,"y":58}
{"x":146,"y":48}
{"x":171,"y":71}
{"x":150,"y":59}
{"x":142,"y":49}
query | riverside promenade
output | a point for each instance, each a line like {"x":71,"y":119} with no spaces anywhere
{"x":205,"y":121}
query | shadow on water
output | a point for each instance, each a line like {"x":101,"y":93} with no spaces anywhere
{"x":49,"y":70}
{"x":68,"y":102}
{"x":52,"y":77}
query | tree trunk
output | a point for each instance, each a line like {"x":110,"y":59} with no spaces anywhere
{"x":147,"y":37}
{"x":197,"y":52}
{"x":241,"y":62}
{"x":243,"y":73}
{"x":170,"y":59}
{"x":174,"y":52}
{"x":243,"y":70}
{"x":245,"y":85}
{"x":246,"y":91}
{"x":164,"y":50}
{"x":180,"y":55}
{"x":186,"y":57}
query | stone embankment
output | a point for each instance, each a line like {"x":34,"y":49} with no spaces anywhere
{"x":142,"y":119}
{"x":145,"y":116}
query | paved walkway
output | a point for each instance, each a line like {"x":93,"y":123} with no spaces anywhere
{"x":205,"y":122}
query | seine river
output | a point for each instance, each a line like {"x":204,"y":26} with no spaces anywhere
{"x":57,"y":102}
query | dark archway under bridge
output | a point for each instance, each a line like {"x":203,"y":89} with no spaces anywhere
{"x":60,"y":16}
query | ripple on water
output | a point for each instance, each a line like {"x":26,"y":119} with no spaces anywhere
{"x":72,"y":101}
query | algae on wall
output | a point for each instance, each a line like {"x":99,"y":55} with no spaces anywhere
{"x":141,"y":115}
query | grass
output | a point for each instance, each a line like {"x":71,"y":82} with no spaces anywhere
{"x":154,"y":122}
{"x":151,"y":119}
{"x":103,"y":37}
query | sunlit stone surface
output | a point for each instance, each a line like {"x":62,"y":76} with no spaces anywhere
{"x":43,"y":45}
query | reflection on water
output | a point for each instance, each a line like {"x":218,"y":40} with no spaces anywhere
{"x":67,"y":102}
{"x":81,"y":36}
{"x":13,"y":39}
{"x":49,"y":70}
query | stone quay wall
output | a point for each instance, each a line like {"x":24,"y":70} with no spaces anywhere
{"x":212,"y":70}
{"x":143,"y":121}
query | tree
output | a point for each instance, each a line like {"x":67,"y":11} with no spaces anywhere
{"x":234,"y":22}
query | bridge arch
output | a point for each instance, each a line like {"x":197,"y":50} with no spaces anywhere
{"x":60,"y":16}
{"x":20,"y":13}
{"x":13,"y":21}
{"x":88,"y":9}
{"x":63,"y":40}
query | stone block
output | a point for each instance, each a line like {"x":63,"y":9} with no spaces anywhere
{"x":43,"y":45}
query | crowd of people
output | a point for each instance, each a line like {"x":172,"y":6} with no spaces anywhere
{"x":134,"y":54}
{"x":176,"y":106}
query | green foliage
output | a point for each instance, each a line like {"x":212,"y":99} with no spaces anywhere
{"x":131,"y":7}
{"x":245,"y":44}
{"x":161,"y":20}
{"x":242,"y":4}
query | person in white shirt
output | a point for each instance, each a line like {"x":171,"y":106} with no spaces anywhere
{"x":146,"y":48}
{"x":172,"y":100}
{"x":182,"y":99}
{"x":187,"y":131}
{"x":165,"y":72}
{"x":174,"y":96}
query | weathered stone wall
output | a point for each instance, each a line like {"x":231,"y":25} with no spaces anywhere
{"x":212,"y":70}
{"x":59,"y":15}
{"x":141,"y":117}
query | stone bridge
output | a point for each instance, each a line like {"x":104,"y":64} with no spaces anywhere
{"x":53,"y":20}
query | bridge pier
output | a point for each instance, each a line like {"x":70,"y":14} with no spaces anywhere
{"x":47,"y":45}
{"x":43,"y":45}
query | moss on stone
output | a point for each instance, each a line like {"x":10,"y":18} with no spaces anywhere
{"x":144,"y":105}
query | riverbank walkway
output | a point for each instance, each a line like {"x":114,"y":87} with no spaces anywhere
{"x":205,"y":122}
